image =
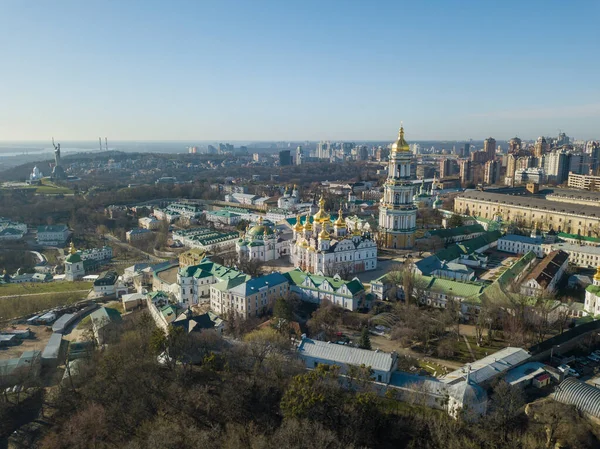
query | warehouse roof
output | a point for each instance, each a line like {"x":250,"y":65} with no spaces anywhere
{"x":584,"y":397}
{"x":485,"y":369}
{"x":346,"y":355}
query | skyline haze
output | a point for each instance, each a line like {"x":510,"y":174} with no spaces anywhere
{"x":273,"y":71}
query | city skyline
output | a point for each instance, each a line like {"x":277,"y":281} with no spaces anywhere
{"x":242,"y":71}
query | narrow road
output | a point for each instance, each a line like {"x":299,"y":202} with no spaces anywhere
{"x":118,"y":242}
{"x":43,"y":293}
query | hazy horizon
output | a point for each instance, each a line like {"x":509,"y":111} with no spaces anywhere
{"x":280,"y":71}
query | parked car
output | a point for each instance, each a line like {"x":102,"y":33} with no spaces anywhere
{"x":572,"y":372}
{"x":593,"y":358}
{"x":596,"y":352}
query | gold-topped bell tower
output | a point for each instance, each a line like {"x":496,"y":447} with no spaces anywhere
{"x":397,"y":212}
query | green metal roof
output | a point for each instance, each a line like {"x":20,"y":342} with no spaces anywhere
{"x":468,"y":291}
{"x":595,"y":289}
{"x":72,"y":258}
{"x":564,"y":235}
{"x":104,"y":315}
{"x":297,"y":277}
{"x":453,"y":232}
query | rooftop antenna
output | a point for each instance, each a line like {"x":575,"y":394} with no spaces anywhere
{"x":106,"y":143}
{"x":100,"y":142}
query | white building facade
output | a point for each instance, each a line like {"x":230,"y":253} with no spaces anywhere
{"x":261,"y":242}
{"x":592,"y":296}
{"x":397,"y":212}
{"x":331,"y":248}
{"x":520,"y":244}
{"x":52,"y":235}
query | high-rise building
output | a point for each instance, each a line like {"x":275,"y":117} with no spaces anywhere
{"x":540,"y":147}
{"x":491,"y":174}
{"x":479,"y":156}
{"x":593,"y":149}
{"x":285,"y":158}
{"x":467,"y":151}
{"x":299,"y":155}
{"x":563,"y":139}
{"x":580,"y":163}
{"x":363,"y":153}
{"x":556,"y":166}
{"x":466,"y":171}
{"x":447,"y":167}
{"x":381,"y":154}
{"x":397,"y":213}
{"x":489,"y":146}
{"x":347,"y":148}
{"x":511,"y":168}
{"x":324,"y":150}
{"x":514,"y":145}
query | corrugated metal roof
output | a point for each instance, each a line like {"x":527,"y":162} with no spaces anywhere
{"x":52,"y":349}
{"x":347,"y":355}
{"x":583,"y":396}
{"x":60,"y":324}
{"x":490,"y":366}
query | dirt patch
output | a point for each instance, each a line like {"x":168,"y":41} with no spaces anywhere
{"x":169,"y":276}
{"x":41,"y":335}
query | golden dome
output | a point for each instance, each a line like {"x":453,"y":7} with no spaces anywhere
{"x":323,"y":235}
{"x":304,"y":243}
{"x":400,"y":145}
{"x":597,"y":275}
{"x":298,"y":225}
{"x":340,"y":222}
{"x":356,"y":230}
{"x":72,"y":249}
{"x":321,"y":216}
{"x":307,"y":223}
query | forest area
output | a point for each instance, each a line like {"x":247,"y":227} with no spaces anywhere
{"x":256,"y":394}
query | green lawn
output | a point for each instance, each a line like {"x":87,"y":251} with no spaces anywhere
{"x":41,"y":287}
{"x":21,"y":306}
{"x":53,"y":190}
{"x":432,"y":368}
{"x":463,"y":354}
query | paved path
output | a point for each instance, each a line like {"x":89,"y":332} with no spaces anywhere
{"x":44,"y":293}
{"x":118,"y":242}
{"x":469,"y":348}
{"x":388,"y":345}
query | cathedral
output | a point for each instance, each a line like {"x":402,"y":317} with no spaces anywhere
{"x":261,"y":242}
{"x":288,"y":201}
{"x":397,"y":211}
{"x":322,"y":247}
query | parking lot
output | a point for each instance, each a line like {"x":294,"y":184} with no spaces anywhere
{"x":579,"y":364}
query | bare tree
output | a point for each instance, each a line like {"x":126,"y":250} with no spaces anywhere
{"x":252,"y":267}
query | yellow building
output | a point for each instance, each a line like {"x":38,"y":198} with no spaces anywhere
{"x":529,"y":211}
{"x":192,"y":257}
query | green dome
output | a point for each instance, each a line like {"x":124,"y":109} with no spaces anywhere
{"x":257,"y":230}
{"x":72,"y":258}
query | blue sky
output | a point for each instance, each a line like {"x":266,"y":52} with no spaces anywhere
{"x":289,"y":70}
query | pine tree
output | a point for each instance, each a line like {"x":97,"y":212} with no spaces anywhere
{"x":365,"y":339}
